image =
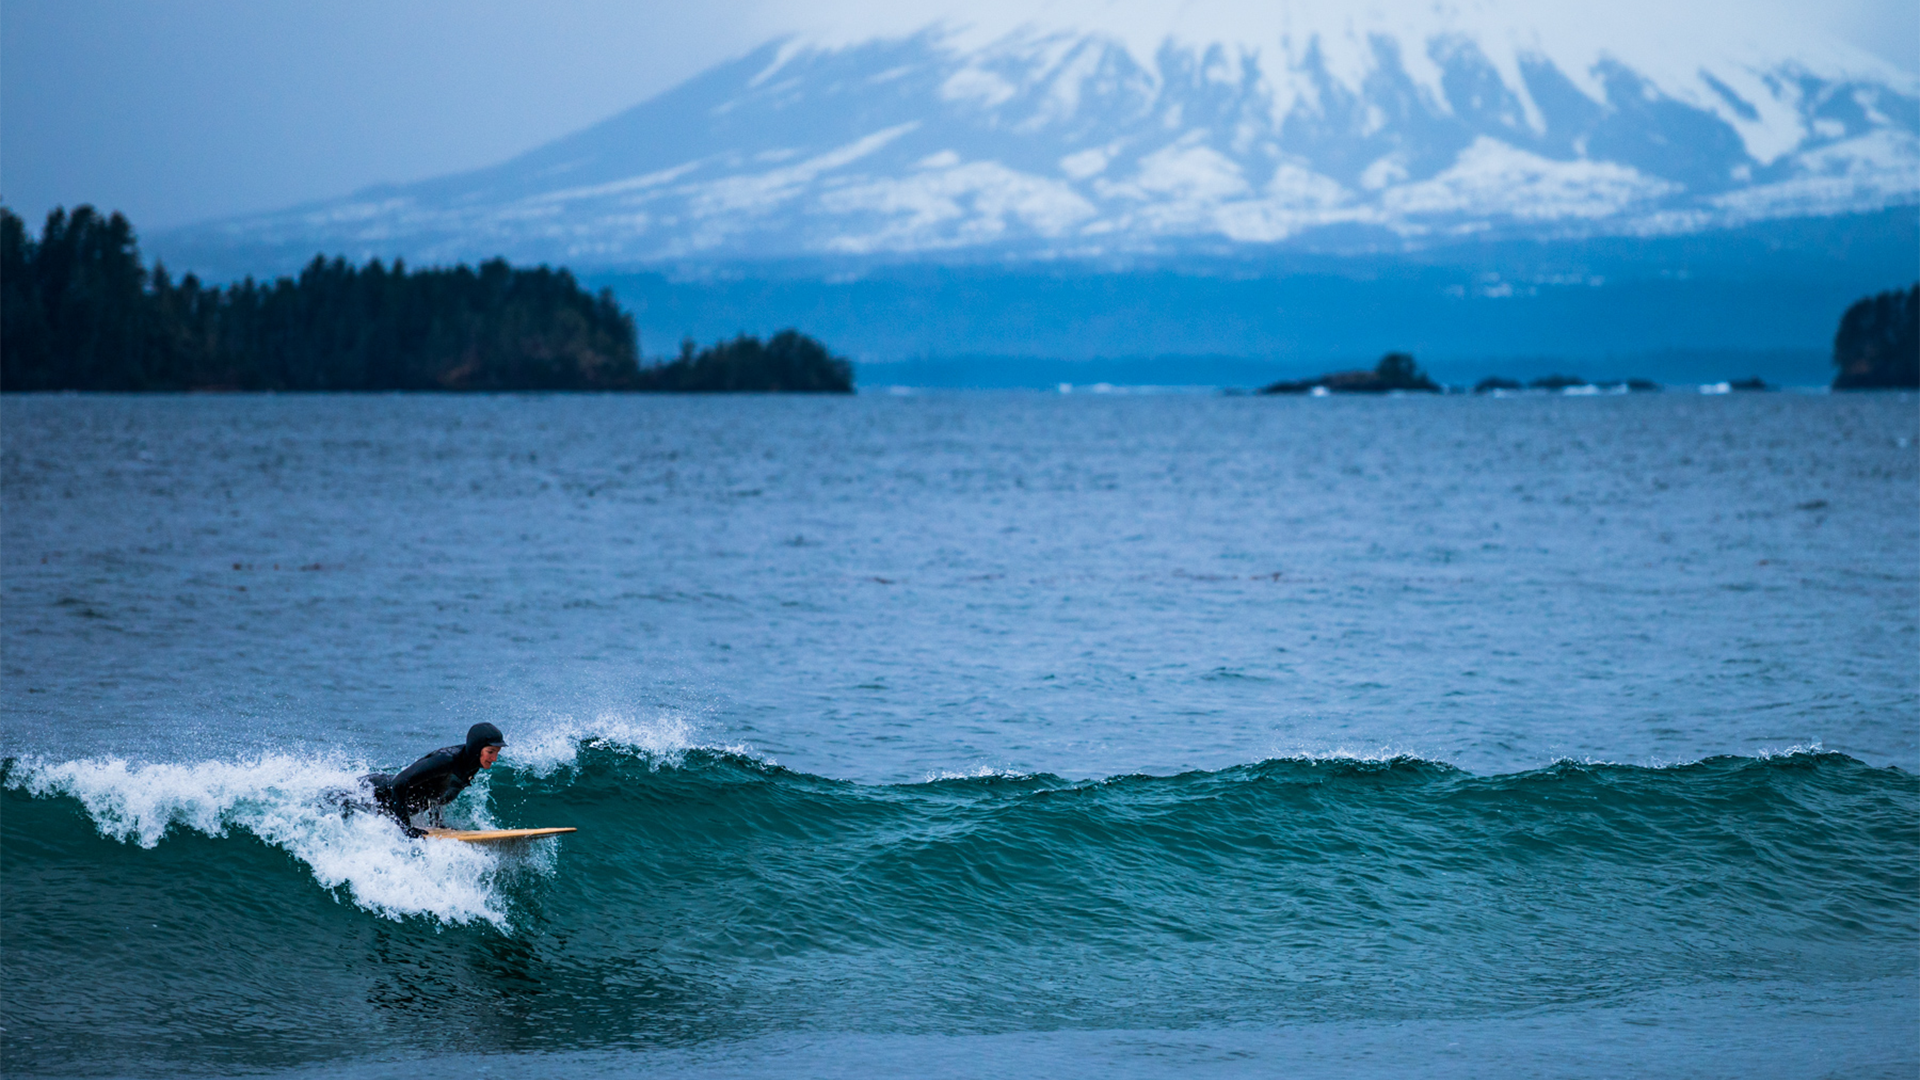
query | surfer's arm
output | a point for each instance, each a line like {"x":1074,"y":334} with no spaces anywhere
{"x":451,"y":787}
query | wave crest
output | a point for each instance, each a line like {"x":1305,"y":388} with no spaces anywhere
{"x":291,"y":803}
{"x":662,"y":739}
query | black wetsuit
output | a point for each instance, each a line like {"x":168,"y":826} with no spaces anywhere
{"x":435,"y":780}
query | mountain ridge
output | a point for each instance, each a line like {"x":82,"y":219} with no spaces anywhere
{"x":1051,"y":142}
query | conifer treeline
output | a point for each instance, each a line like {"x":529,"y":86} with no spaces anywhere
{"x":78,"y":311}
{"x":1878,"y":343}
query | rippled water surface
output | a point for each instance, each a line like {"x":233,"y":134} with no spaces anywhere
{"x":886,"y":588}
{"x":1127,"y":735}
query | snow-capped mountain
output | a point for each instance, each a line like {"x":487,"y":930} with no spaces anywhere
{"x":1096,"y":130}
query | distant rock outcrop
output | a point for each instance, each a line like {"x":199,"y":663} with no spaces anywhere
{"x":1878,"y":344}
{"x":1395,"y":371}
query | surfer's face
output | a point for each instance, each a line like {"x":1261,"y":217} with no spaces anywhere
{"x":489,"y":755}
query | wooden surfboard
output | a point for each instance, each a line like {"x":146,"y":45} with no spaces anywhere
{"x":481,"y":836}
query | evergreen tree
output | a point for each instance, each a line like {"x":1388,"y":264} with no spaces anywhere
{"x":1878,"y":343}
{"x":75,"y":303}
{"x":26,"y":346}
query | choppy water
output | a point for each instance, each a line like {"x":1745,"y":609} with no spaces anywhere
{"x":967,"y":735}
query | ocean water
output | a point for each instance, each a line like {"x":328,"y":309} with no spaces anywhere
{"x":965,"y":735}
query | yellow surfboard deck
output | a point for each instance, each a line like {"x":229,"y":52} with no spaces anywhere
{"x":479,"y":836}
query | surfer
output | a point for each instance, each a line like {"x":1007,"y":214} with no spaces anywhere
{"x":437,"y":779}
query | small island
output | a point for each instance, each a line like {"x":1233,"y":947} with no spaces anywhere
{"x":789,"y":362}
{"x":1395,"y":371}
{"x":79,"y":311}
{"x":1877,"y":346}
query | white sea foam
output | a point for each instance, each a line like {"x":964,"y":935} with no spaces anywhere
{"x":1796,"y":750}
{"x":291,"y":803}
{"x":662,"y":738}
{"x":1655,"y":761}
{"x":1385,"y":752}
{"x":978,"y":772}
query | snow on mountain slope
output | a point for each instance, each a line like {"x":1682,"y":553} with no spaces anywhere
{"x":1104,"y":128}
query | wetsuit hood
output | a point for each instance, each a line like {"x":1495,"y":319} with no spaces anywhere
{"x":484,"y":734}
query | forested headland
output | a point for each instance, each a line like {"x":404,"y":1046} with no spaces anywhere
{"x":79,"y":311}
{"x":1878,"y":343}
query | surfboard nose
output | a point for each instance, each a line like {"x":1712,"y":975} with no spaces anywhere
{"x":478,"y":836}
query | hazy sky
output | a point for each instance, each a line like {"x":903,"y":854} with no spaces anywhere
{"x":176,"y":112}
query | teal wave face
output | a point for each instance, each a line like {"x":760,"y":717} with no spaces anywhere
{"x":711,"y":894}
